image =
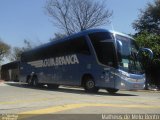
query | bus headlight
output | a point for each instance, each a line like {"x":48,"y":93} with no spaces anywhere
{"x":122,"y":84}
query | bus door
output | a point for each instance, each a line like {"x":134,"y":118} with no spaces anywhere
{"x":104,"y":47}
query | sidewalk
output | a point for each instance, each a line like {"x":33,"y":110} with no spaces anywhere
{"x":149,"y":90}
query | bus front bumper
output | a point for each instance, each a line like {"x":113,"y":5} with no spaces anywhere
{"x":130,"y":81}
{"x":126,"y":85}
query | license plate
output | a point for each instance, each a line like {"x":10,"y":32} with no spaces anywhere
{"x":136,"y":86}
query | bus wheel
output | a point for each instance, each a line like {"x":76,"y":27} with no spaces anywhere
{"x":89,"y":86}
{"x":53,"y":86}
{"x":112,"y":90}
{"x":29,"y":81}
{"x":35,"y":81}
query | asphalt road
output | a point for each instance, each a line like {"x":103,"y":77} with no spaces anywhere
{"x":19,"y":100}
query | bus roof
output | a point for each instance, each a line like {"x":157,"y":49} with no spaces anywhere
{"x":119,"y":33}
{"x":85,"y":32}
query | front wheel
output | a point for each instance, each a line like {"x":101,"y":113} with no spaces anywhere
{"x":112,"y":90}
{"x":89,"y":85}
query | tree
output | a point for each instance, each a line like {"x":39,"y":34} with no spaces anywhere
{"x":149,"y":19}
{"x":149,"y":40}
{"x":152,"y":67}
{"x":27,"y":46}
{"x":4,"y":50}
{"x":57,"y":36}
{"x":77,"y":15}
{"x":148,"y":35}
{"x":17,"y":51}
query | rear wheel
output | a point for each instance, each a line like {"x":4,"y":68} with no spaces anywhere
{"x":29,"y":81}
{"x":89,"y":85}
{"x":35,"y":81}
{"x":112,"y":90}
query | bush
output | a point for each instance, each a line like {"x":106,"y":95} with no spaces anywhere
{"x":152,"y":67}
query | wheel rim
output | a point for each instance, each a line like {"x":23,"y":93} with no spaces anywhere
{"x":90,"y":84}
{"x":29,"y":81}
{"x":34,"y":82}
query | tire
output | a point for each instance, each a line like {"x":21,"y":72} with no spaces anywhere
{"x":112,"y":90}
{"x":35,"y":81}
{"x":89,"y":85}
{"x":30,"y":81}
{"x":52,"y":86}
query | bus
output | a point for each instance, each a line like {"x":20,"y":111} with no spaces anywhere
{"x":10,"y":71}
{"x":93,"y":59}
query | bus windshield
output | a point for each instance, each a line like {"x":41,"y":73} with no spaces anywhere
{"x":127,"y":51}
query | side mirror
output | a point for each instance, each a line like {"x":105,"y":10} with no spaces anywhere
{"x":144,"y":52}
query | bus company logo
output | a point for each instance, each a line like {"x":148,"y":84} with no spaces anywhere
{"x":63,"y":60}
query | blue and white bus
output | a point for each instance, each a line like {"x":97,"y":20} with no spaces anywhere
{"x":94,"y":59}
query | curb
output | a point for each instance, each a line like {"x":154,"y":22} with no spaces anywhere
{"x":150,"y":90}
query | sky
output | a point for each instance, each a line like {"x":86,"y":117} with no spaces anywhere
{"x":27,"y":19}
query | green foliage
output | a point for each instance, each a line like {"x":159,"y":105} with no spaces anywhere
{"x":148,"y":36}
{"x":4,"y":50}
{"x":152,"y":67}
{"x":149,"y":40}
{"x":149,"y":19}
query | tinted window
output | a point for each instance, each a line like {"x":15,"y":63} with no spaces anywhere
{"x":77,"y":45}
{"x":73,"y":46}
{"x":104,"y":48}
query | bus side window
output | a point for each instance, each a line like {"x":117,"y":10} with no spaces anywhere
{"x":76,"y":46}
